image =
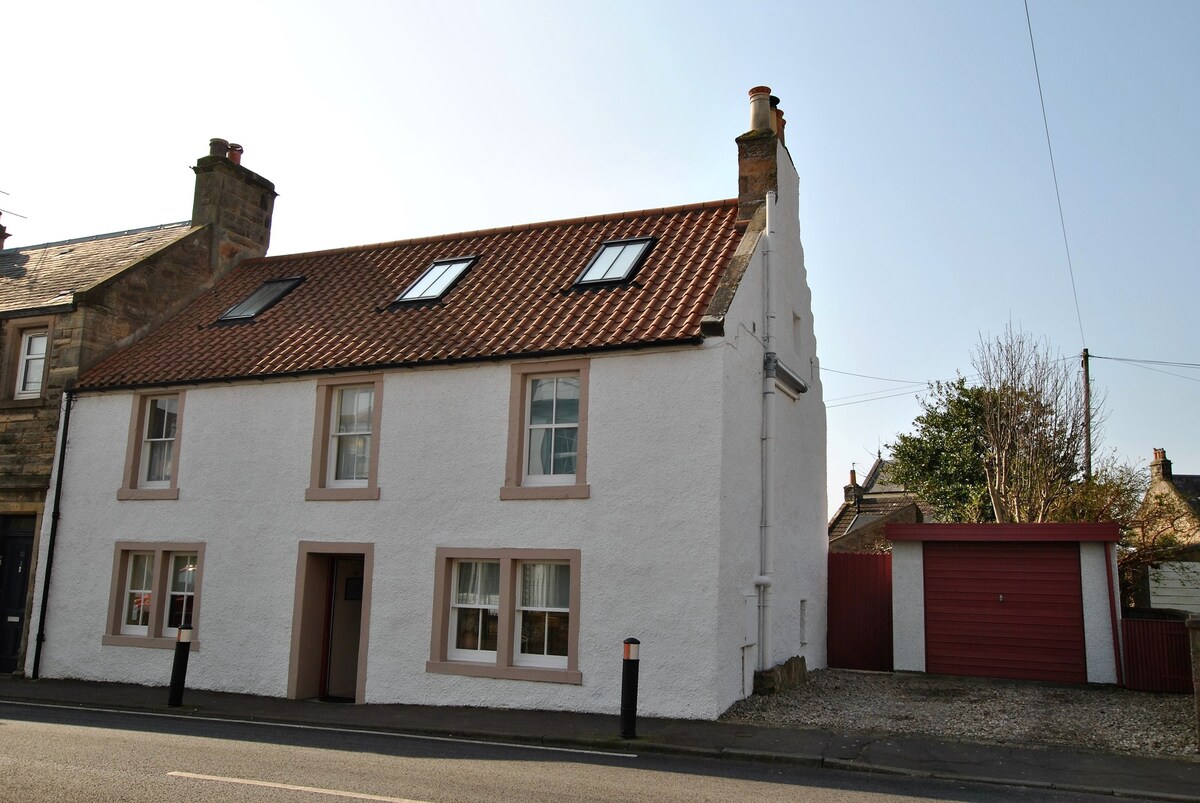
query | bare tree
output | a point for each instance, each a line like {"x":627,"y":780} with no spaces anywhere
{"x":1033,"y":419}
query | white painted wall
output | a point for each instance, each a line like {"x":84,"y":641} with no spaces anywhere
{"x":799,"y":540}
{"x":908,"y":606}
{"x":1175,"y":584}
{"x":648,"y":536}
{"x":1098,"y":610}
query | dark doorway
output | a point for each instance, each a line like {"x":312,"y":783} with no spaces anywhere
{"x":344,"y":620}
{"x":16,"y":556}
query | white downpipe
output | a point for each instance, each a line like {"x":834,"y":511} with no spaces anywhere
{"x":767,"y":518}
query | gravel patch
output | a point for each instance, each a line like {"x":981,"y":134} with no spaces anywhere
{"x":982,"y":709}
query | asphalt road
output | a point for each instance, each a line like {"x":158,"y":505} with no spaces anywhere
{"x":64,"y":754}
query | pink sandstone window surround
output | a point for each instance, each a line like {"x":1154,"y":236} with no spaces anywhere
{"x":152,"y":451}
{"x":345,"y":452}
{"x":506,"y":613}
{"x":547,"y":431}
{"x":155,"y":588}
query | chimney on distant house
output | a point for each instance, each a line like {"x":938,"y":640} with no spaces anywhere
{"x":853,"y":492}
{"x":1160,"y":469}
{"x":235,"y":202}
{"x":758,"y":153}
{"x":4,"y":235}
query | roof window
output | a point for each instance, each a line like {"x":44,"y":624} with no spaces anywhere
{"x":616,"y":261}
{"x":437,"y":279}
{"x":262,"y":298}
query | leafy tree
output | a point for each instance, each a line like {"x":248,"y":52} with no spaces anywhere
{"x":942,"y":460}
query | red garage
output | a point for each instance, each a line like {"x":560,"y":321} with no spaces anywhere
{"x":1026,"y":601}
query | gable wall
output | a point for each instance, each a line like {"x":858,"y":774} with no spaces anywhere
{"x":799,"y":535}
{"x":647,"y":536}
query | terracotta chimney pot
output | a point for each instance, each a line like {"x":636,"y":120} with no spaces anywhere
{"x":760,"y":109}
{"x":217,"y":147}
{"x":235,"y":153}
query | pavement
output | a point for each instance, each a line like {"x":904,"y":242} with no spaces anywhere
{"x":1033,"y":767}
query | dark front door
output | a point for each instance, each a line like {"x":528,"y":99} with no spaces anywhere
{"x":16,"y":555}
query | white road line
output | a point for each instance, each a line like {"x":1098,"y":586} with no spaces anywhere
{"x":292,"y":787}
{"x":321,"y":728}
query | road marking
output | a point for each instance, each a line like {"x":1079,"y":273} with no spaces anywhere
{"x":291,"y":787}
{"x":323,"y":728}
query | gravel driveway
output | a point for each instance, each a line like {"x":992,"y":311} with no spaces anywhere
{"x":982,"y":709}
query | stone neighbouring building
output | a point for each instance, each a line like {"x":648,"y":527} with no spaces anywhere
{"x":1170,"y":515}
{"x":66,"y":305}
{"x":858,"y":524}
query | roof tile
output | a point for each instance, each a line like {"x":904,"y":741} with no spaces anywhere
{"x":519,"y":298}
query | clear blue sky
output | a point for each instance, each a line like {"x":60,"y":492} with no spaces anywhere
{"x":928,"y":209}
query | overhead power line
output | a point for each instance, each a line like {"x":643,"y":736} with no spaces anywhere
{"x":1054,"y":172}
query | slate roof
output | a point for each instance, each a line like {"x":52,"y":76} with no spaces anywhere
{"x":518,"y":299}
{"x":1188,"y":486}
{"x":42,"y":277}
{"x":881,"y":498}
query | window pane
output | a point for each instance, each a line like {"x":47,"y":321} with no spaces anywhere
{"x":603,"y":262}
{"x":180,"y":613}
{"x":353,"y":457}
{"x":478,"y":584}
{"x":32,"y":381}
{"x":558,"y":624}
{"x":158,"y":465}
{"x":566,"y":411}
{"x":545,"y":585}
{"x":566,"y":440}
{"x":161,"y":418}
{"x":183,"y":573}
{"x":539,"y":451}
{"x":354,"y":409}
{"x":624,"y":261}
{"x":533,"y":633}
{"x":35,"y":346}
{"x":541,"y":401}
{"x":138,"y":609}
{"x":476,"y":629}
{"x":141,"y":571}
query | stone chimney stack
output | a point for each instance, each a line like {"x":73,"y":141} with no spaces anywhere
{"x":4,"y":235}
{"x":235,"y":203}
{"x":852,"y":492}
{"x":758,"y":153}
{"x":1160,"y":469}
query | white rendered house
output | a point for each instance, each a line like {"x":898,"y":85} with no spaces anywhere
{"x":461,"y":470}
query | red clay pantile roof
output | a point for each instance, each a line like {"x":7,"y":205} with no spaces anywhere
{"x":518,"y":299}
{"x":46,"y":276}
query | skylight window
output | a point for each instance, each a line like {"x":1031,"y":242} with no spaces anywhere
{"x":617,"y":261}
{"x":437,"y":280}
{"x":266,"y":295}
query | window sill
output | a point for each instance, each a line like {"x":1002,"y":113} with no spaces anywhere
{"x":546,"y":492}
{"x":486,"y":670}
{"x":340,"y":494}
{"x":22,"y":404}
{"x":147,"y":493}
{"x":144,"y":641}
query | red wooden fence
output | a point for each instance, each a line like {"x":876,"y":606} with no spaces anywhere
{"x":1157,"y":655}
{"x":860,"y":611}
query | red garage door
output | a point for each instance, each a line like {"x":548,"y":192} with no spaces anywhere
{"x":1004,"y":609}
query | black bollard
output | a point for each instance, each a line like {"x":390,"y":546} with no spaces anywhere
{"x":183,"y":646}
{"x":629,"y":684}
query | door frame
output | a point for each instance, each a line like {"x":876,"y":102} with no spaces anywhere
{"x":313,"y":566}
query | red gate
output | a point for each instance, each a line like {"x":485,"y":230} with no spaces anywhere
{"x":1157,"y":655}
{"x":860,"y":611}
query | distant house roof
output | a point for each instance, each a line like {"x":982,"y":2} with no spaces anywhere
{"x":519,"y":297}
{"x":1188,"y":486}
{"x":877,"y":498}
{"x":44,"y":277}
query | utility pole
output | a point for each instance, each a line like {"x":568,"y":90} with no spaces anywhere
{"x":1087,"y":419}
